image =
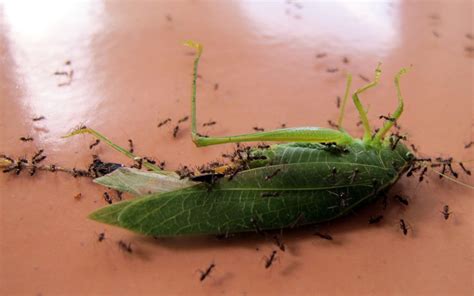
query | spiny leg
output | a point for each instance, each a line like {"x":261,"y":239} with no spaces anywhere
{"x":115,"y":146}
{"x":305,"y":134}
{"x":362,"y":112}
{"x":343,"y":106}
{"x":198,"y":48}
{"x":398,"y":112}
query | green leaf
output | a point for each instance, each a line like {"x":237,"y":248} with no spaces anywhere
{"x":307,"y":192}
{"x":109,"y":214}
{"x":139,"y":182}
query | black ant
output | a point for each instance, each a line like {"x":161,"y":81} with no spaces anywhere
{"x":33,"y":170}
{"x":209,"y":123}
{"x":333,"y":124}
{"x":38,"y":157}
{"x":125,"y":247}
{"x":333,"y":174}
{"x":185,"y":118}
{"x":404,"y":227}
{"x":354,"y":174}
{"x":279,"y":242}
{"x":164,"y":122}
{"x":205,"y":274}
{"x":162,"y":165}
{"x":332,"y":70}
{"x":138,"y":163}
{"x":235,"y":171}
{"x":38,"y":118}
{"x":468,"y":145}
{"x":216,"y":86}
{"x":130,"y":144}
{"x":107,"y":198}
{"x":464,"y":169}
{"x":343,"y":200}
{"x":446,"y":212}
{"x":202,"y":135}
{"x":402,"y":200}
{"x":258,"y":129}
{"x":79,"y":173}
{"x":20,"y":165}
{"x":69,"y":74}
{"x":321,"y":55}
{"x":269,"y":260}
{"x":414,"y":148}
{"x":149,"y":160}
{"x":387,"y":118}
{"x":94,"y":144}
{"x":364,"y":78}
{"x":325,"y":236}
{"x":338,"y":102}
{"x":26,"y":139}
{"x":413,"y":168}
{"x":446,"y":163}
{"x":175,"y":131}
{"x":268,"y":177}
{"x":345,"y":60}
{"x":451,"y":170}
{"x":101,"y":236}
{"x":375,"y":219}
{"x":184,"y":172}
{"x":226,"y":155}
{"x":422,"y":175}
{"x":394,"y":139}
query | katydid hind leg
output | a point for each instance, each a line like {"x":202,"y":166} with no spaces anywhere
{"x":281,"y":135}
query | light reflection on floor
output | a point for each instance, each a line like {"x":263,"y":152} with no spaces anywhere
{"x":368,"y":27}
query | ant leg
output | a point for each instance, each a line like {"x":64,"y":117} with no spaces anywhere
{"x":303,"y":134}
{"x":343,"y":106}
{"x":113,"y":145}
{"x":362,"y":112}
{"x":398,"y":112}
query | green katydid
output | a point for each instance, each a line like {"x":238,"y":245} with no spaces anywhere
{"x":320,"y":174}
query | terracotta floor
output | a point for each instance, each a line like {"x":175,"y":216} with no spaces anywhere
{"x":263,"y":65}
